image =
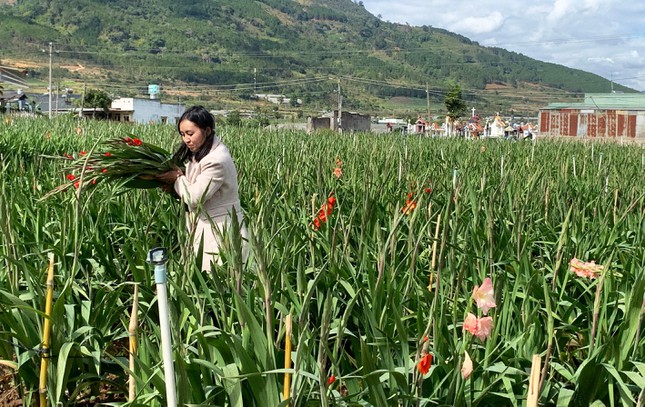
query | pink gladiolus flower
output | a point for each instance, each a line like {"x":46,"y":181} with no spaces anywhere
{"x":484,"y":296}
{"x":338,"y":172}
{"x":466,"y":367}
{"x":480,"y":327}
{"x":470,"y":324}
{"x":585,"y":269}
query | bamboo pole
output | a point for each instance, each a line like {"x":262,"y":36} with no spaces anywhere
{"x":46,"y":333}
{"x":434,"y":253}
{"x":132,"y":334}
{"x":534,"y":383}
{"x":286,"y":392}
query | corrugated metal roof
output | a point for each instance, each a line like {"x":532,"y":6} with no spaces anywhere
{"x":624,"y":101}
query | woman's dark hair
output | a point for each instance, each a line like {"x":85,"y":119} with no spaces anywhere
{"x":204,"y":120}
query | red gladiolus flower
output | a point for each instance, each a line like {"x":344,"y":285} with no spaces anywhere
{"x":93,"y":182}
{"x":324,"y":212}
{"x":77,"y":184}
{"x":107,"y":154}
{"x":104,"y":170}
{"x":136,"y":142}
{"x":127,"y":140}
{"x":425,"y":363}
{"x":427,"y":190}
{"x":82,"y":152}
{"x":68,"y":156}
{"x":71,"y":177}
{"x":410,"y":204}
{"x":331,"y":380}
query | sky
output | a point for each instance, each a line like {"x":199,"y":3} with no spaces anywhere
{"x":605,"y":37}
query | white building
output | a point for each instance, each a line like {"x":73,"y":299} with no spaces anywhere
{"x":145,"y":111}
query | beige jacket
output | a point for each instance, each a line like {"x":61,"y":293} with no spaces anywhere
{"x":209,"y":189}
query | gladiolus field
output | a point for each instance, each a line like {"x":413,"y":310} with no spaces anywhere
{"x":413,"y":271}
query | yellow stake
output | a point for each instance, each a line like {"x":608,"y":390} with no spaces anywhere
{"x":534,"y":383}
{"x":132,"y":333}
{"x":46,"y":333}
{"x":287,"y":359}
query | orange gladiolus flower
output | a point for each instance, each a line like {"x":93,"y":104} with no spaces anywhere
{"x":410,"y":204}
{"x":338,"y":172}
{"x":484,"y":297}
{"x":585,"y":269}
{"x":425,"y":363}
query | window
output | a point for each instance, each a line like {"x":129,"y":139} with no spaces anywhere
{"x":164,"y":119}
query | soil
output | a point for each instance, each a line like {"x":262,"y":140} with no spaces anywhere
{"x":9,"y":396}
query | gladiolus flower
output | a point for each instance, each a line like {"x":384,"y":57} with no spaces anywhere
{"x":484,"y":296}
{"x":136,"y":142}
{"x":425,"y":363}
{"x":93,"y":182}
{"x":585,"y":269}
{"x":127,"y":140}
{"x":410,"y":204}
{"x":338,"y":172}
{"x":480,"y":327}
{"x":71,"y":177}
{"x":107,"y":154}
{"x":324,"y":212}
{"x":427,"y":190}
{"x":82,"y":152}
{"x":467,"y":366}
{"x":104,"y":170}
{"x":331,"y":380}
{"x":79,"y":130}
{"x":339,"y":163}
{"x":68,"y":156}
{"x":77,"y":184}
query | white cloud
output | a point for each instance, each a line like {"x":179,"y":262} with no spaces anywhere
{"x":606,"y":37}
{"x":479,"y":25}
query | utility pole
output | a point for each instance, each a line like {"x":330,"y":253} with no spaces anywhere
{"x":340,"y":109}
{"x":255,"y":81}
{"x":427,"y":102}
{"x":51,"y":46}
{"x":80,"y":113}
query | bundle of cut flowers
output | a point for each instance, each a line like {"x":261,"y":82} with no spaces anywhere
{"x":128,"y":161}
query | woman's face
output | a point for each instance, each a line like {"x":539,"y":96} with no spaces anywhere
{"x":192,"y":135}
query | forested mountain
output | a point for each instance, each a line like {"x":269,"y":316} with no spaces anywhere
{"x":230,"y":49}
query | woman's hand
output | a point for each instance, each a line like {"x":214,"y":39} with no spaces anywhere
{"x":169,"y":177}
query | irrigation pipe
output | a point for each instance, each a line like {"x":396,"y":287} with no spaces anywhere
{"x":158,"y":258}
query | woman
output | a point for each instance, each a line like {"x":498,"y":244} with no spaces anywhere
{"x":208,"y":187}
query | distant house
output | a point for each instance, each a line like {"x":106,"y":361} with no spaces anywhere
{"x":600,"y":115}
{"x":145,"y":111}
{"x":16,"y":101}
{"x":348,"y":122}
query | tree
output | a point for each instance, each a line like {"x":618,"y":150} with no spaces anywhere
{"x":455,"y":105}
{"x":97,"y":99}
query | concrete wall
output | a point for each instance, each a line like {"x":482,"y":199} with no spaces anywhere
{"x":592,"y":123}
{"x":319,"y":123}
{"x":150,"y":111}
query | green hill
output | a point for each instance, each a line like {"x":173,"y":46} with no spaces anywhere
{"x":222,"y":52}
